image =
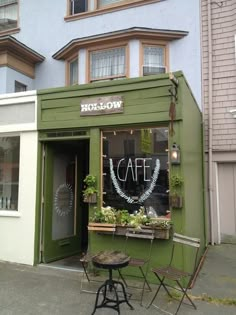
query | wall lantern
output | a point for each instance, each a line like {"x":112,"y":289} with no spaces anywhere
{"x":175,"y":154}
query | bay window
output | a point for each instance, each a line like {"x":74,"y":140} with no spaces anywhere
{"x":9,"y":172}
{"x":108,"y":64}
{"x":8,"y":14}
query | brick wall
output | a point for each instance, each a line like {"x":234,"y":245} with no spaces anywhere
{"x":223,"y":74}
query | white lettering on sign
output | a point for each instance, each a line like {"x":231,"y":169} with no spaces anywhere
{"x":132,"y":168}
{"x":101,"y":105}
{"x":153,"y":178}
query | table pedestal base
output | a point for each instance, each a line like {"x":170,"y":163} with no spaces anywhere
{"x":111,"y":286}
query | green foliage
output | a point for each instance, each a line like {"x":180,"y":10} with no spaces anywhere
{"x":176,"y":181}
{"x":91,"y":185}
{"x":123,"y":217}
{"x":104,"y":215}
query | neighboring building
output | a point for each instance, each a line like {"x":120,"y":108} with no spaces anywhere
{"x":84,"y":42}
{"x":18,"y":168}
{"x":219,"y":103}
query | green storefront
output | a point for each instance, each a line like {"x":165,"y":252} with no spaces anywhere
{"x":122,"y":132}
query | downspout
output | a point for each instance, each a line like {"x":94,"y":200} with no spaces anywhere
{"x":210,"y":168}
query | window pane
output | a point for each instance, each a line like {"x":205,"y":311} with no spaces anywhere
{"x":20,"y":87}
{"x":107,"y":63}
{"x":102,"y":3}
{"x":135,"y":168}
{"x":79,"y":6}
{"x":74,"y":72}
{"x":153,"y":56}
{"x":9,"y":172}
{"x":8,"y":14}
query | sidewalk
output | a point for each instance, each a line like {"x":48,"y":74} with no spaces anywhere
{"x":28,"y":290}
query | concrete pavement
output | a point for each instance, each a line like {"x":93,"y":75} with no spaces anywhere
{"x":28,"y":290}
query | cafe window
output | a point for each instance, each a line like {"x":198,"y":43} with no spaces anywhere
{"x":135,"y":170}
{"x":9,"y":172}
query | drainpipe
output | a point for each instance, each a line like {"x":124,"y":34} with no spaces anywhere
{"x":210,"y":168}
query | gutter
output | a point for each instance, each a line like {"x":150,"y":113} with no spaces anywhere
{"x":210,"y":172}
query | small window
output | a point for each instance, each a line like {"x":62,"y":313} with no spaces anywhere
{"x":154,"y":60}
{"x":107,"y":64}
{"x":9,"y":172}
{"x":20,"y":87}
{"x":8,"y":14}
{"x":73,"y":72}
{"x":78,"y":6}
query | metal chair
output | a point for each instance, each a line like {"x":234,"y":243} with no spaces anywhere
{"x":140,"y":263}
{"x":86,"y":259}
{"x":169,"y":275}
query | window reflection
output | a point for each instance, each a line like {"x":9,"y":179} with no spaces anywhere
{"x":135,"y":168}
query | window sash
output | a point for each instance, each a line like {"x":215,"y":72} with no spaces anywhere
{"x":78,"y":6}
{"x":8,"y":14}
{"x":9,"y":172}
{"x":108,"y":63}
{"x":20,"y":87}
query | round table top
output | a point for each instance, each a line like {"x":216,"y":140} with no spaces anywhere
{"x":111,"y":259}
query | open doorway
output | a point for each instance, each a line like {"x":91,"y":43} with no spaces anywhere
{"x":64,"y":214}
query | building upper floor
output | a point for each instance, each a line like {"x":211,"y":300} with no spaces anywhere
{"x":77,"y":42}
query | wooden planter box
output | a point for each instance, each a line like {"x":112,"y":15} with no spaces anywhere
{"x":176,"y":202}
{"x":102,"y":227}
{"x":107,"y":228}
{"x":91,"y":198}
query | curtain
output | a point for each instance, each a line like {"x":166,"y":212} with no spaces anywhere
{"x":102,"y":3}
{"x":107,"y":63}
{"x":74,"y":72}
{"x":154,"y":56}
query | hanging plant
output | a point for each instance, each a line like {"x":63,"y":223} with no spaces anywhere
{"x":90,"y":191}
{"x":176,"y":182}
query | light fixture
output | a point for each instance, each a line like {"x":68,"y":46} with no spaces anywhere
{"x":175,"y":154}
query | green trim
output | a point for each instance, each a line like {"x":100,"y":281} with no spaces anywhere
{"x":38,"y":206}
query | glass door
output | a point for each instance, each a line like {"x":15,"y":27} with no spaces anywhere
{"x":61,"y":235}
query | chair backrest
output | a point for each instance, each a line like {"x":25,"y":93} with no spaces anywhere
{"x":145,"y":234}
{"x":185,"y":240}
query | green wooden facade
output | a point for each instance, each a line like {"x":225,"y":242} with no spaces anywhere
{"x":146,"y":104}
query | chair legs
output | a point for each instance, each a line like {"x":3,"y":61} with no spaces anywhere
{"x":180,"y":289}
{"x":145,"y":283}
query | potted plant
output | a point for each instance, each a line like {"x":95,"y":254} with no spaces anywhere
{"x":90,"y":191}
{"x":103,"y":220}
{"x":176,"y":182}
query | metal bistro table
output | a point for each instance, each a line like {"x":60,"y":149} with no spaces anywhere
{"x":111,"y":260}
